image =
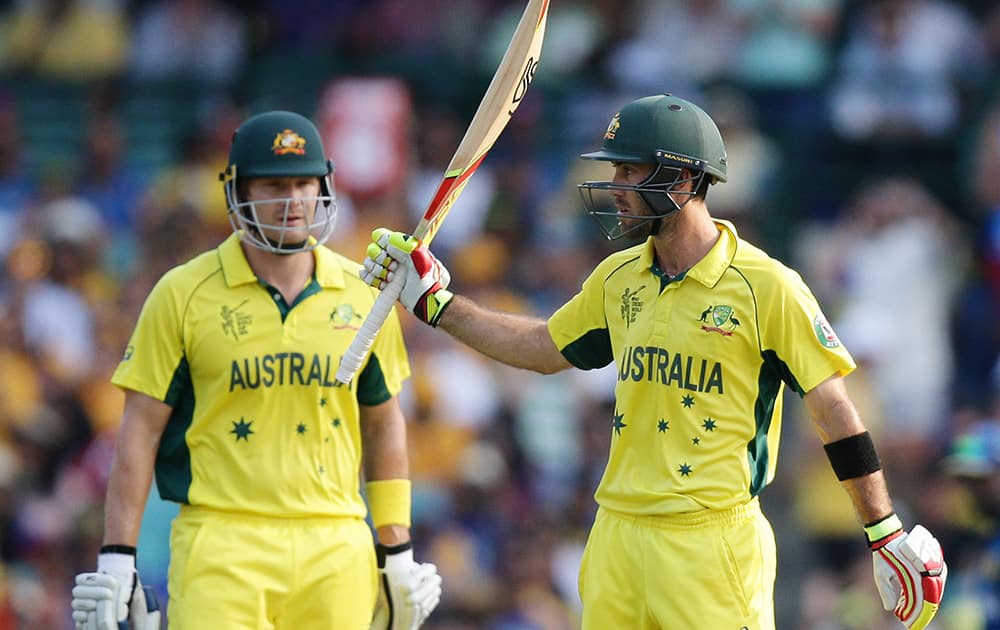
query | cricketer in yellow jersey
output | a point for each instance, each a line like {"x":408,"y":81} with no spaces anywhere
{"x":705,"y":330}
{"x":231,"y":404}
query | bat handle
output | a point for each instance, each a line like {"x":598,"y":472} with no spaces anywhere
{"x":363,"y":340}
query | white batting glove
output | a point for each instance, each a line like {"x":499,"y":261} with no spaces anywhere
{"x":409,"y":591}
{"x":910,"y":571}
{"x":113,"y":597}
{"x":425,"y":292}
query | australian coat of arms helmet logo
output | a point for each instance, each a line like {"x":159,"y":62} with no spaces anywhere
{"x":288,"y":142}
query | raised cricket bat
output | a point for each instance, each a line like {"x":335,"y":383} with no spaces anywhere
{"x":505,"y":93}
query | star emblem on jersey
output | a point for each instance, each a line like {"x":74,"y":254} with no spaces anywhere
{"x":685,"y":470}
{"x":688,"y":401}
{"x":696,"y":441}
{"x":335,"y":423}
{"x":631,"y":305}
{"x":344,"y":316}
{"x":287,"y":142}
{"x":234,"y":322}
{"x":300,"y":429}
{"x":242,"y":430}
{"x":719,"y":318}
{"x":663,"y":426}
{"x":617,"y":423}
{"x":708,"y":424}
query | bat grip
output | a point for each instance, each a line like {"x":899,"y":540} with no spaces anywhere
{"x":362,"y":342}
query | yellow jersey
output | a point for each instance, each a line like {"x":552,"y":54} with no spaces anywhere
{"x":702,"y":360}
{"x":258,"y":425}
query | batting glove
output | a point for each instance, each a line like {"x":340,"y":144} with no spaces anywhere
{"x":425,"y":292}
{"x":409,"y":591}
{"x":113,"y":598}
{"x":910,"y":571}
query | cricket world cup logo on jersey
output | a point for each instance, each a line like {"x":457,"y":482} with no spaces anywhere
{"x":235,"y":323}
{"x":720,"y":319}
{"x":631,"y":305}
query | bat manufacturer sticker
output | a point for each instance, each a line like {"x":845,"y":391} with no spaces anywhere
{"x":522,"y":87}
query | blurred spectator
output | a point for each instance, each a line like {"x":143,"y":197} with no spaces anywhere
{"x":754,"y":163}
{"x":58,"y":322}
{"x":192,"y":180}
{"x":18,"y":189}
{"x":891,"y":85}
{"x":439,"y":135}
{"x":974,"y":460}
{"x":73,"y":40}
{"x":784,"y":43}
{"x":890,"y":268}
{"x":646,"y":61}
{"x":197,"y":40}
{"x":107,"y":179}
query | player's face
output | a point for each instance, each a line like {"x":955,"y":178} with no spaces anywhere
{"x":285,"y":206}
{"x":628,"y":202}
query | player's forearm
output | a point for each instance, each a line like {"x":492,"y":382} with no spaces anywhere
{"x":128,"y":485}
{"x":870,"y":497}
{"x":519,"y":341}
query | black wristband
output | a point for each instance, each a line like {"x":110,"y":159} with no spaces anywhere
{"x":853,"y":456}
{"x":126,"y":549}
{"x":381,"y":551}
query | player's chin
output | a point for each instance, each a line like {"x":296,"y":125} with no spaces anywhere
{"x":288,"y":235}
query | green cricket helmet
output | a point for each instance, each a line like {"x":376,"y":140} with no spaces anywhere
{"x":666,"y":131}
{"x":278,"y":144}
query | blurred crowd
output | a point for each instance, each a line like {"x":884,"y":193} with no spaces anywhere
{"x":864,"y":150}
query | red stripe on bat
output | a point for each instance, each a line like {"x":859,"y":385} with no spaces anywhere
{"x":545,"y":8}
{"x":449,"y":184}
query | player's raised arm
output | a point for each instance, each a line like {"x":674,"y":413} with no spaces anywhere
{"x":517,"y":340}
{"x":909,"y":568}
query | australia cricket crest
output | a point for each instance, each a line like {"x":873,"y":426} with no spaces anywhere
{"x":719,"y":318}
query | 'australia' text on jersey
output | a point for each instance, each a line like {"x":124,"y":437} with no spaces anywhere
{"x":654,"y":364}
{"x":282,"y":368}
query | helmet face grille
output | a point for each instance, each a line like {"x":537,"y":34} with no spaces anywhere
{"x":599,"y":200}
{"x":279,"y":238}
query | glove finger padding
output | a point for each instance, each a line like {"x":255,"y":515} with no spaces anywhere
{"x":374,"y":274}
{"x":910,"y":573}
{"x":94,"y":601}
{"x":424,"y":290}
{"x":427,"y":584}
{"x":410,"y":592}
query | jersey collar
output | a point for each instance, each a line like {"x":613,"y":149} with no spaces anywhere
{"x":709,"y":269}
{"x":329,"y":271}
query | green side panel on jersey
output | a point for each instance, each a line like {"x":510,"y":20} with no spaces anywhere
{"x":591,"y":351}
{"x":173,"y":459}
{"x":772,"y":372}
{"x":371,"y":384}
